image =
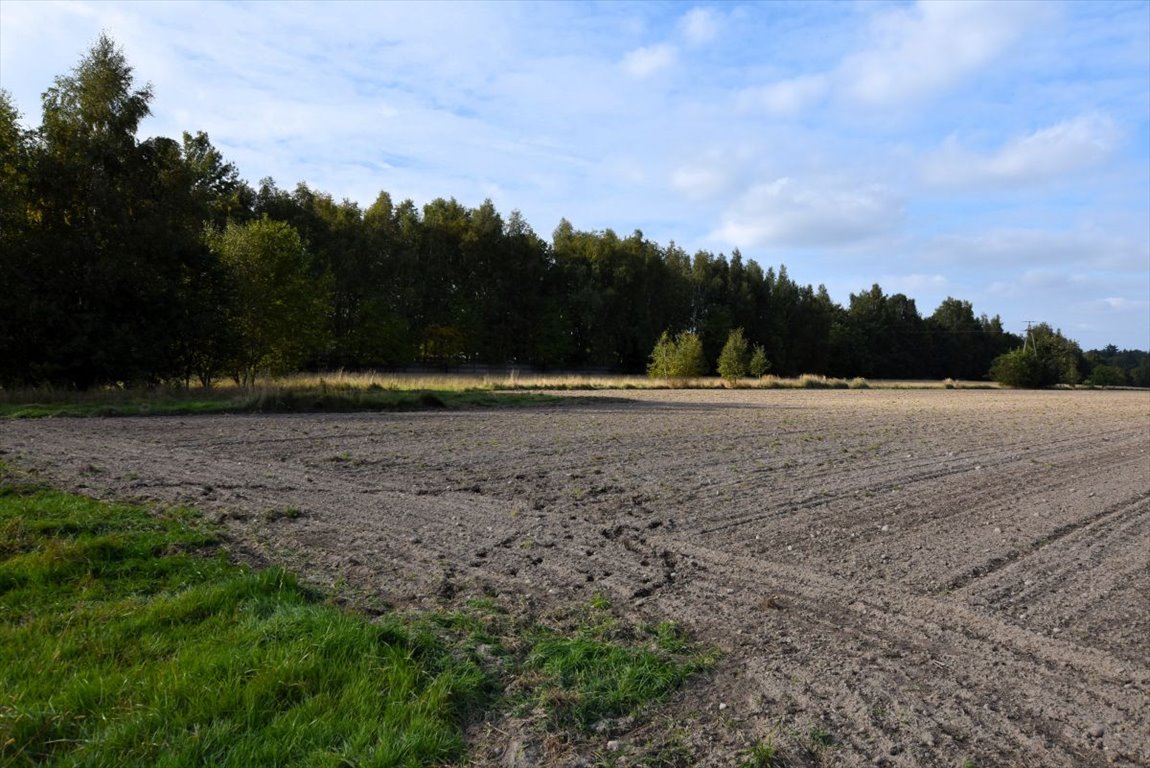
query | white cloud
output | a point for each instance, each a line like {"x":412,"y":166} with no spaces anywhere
{"x":786,"y":212}
{"x":644,"y":62}
{"x":1039,"y":156}
{"x":1121,"y":304}
{"x":928,"y":47}
{"x":699,"y":26}
{"x":1008,"y":248}
{"x":700,"y":181}
{"x":785,"y":97}
{"x":914,"y":283}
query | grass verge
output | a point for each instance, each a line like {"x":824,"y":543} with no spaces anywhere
{"x":128,"y":639}
{"x":280,"y":399}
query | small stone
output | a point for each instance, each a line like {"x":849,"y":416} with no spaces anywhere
{"x":885,"y":528}
{"x":613,"y":745}
{"x":1096,"y":731}
{"x":722,"y":706}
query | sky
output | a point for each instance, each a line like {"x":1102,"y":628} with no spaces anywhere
{"x":994,"y":152}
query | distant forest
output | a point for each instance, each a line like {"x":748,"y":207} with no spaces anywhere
{"x":140,"y":262}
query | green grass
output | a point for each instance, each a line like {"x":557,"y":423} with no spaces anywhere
{"x":128,"y":639}
{"x":594,"y":674}
{"x":582,"y":664}
{"x":268,"y":400}
{"x":122,"y":644}
{"x":762,"y":755}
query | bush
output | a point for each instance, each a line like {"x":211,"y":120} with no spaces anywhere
{"x":1020,"y":368}
{"x":733,"y":358}
{"x":680,"y":357}
{"x":759,"y":362}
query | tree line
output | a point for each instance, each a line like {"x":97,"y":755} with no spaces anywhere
{"x":145,"y":261}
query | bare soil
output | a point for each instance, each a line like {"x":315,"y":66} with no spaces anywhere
{"x":903,"y":578}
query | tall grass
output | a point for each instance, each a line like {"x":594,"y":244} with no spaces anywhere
{"x":367,"y":391}
{"x":375,"y":390}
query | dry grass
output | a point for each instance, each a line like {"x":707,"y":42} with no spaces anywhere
{"x":517,"y":381}
{"x":343,"y":381}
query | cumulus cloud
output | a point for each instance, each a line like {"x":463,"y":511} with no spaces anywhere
{"x":785,"y":97}
{"x":1035,"y":157}
{"x":786,"y":212}
{"x":646,"y":61}
{"x":930,"y":46}
{"x":699,"y":26}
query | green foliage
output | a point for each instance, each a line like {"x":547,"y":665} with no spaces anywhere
{"x":1020,"y":368}
{"x":1048,"y":359}
{"x":680,"y":357}
{"x":759,"y":365}
{"x":1118,"y":367}
{"x":277,"y":309}
{"x":1107,"y":376}
{"x":733,"y":361}
{"x":1140,"y":374}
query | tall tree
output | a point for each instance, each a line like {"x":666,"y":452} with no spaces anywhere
{"x":103,"y":291}
{"x":277,"y":311}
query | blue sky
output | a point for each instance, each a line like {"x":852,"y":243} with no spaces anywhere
{"x":996,"y":152}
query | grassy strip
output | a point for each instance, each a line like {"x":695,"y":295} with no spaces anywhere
{"x":127,"y":640}
{"x":121,"y":644}
{"x":278,"y":400}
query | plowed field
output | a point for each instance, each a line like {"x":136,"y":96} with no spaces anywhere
{"x":914,"y":577}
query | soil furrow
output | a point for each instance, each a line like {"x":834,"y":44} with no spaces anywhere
{"x":903,"y":578}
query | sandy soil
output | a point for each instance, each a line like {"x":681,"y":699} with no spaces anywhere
{"x":926,"y":576}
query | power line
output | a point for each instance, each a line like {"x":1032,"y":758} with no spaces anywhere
{"x":1029,"y":337}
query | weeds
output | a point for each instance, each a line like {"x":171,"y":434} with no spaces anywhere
{"x":819,"y":738}
{"x":762,"y":755}
{"x":281,"y":513}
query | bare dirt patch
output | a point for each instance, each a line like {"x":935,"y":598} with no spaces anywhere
{"x":899,"y":578}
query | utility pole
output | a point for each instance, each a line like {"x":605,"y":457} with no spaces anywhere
{"x":1029,"y":338}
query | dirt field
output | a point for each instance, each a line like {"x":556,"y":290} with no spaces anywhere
{"x":924,"y":576}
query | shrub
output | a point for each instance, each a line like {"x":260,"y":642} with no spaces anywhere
{"x":1021,"y":368}
{"x":759,"y":362}
{"x":733,"y":359}
{"x":680,"y":357}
